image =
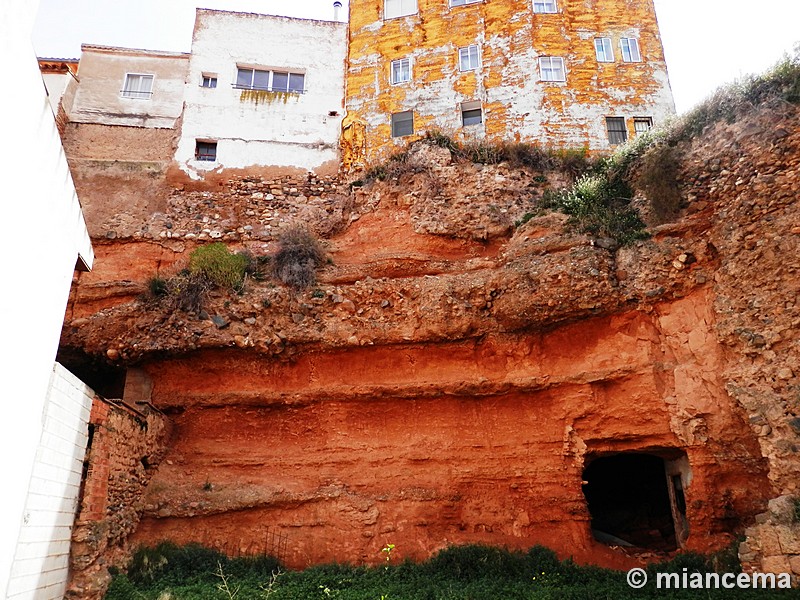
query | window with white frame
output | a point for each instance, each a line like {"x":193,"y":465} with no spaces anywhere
{"x":471,"y":113}
{"x":402,"y":123}
{"x":630,"y":50}
{"x":463,"y":2}
{"x":617,"y":132}
{"x":642,"y":124}
{"x":399,"y":8}
{"x":401,"y":70}
{"x":468,"y":58}
{"x":137,"y":85}
{"x":273,"y":81}
{"x":603,"y":49}
{"x":209,"y":80}
{"x":552,"y":68}
{"x":544,"y":6}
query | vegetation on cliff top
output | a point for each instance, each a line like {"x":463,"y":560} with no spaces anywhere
{"x":456,"y":573}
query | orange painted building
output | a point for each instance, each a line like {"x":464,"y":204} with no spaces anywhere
{"x":562,"y":73}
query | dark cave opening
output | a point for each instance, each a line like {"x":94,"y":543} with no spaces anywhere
{"x":630,"y":503}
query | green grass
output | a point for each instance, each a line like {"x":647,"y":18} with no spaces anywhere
{"x":169,"y":572}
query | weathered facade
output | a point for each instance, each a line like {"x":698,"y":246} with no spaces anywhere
{"x":262,"y":91}
{"x":565,"y":73}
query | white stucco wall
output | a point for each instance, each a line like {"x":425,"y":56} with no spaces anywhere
{"x":56,"y":85}
{"x":43,"y":236}
{"x":102,"y":77}
{"x":294,"y":131}
{"x":41,"y":562}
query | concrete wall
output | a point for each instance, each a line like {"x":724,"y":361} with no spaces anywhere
{"x":517,"y":103}
{"x":98,"y":98}
{"x":41,"y":562}
{"x":44,"y":238}
{"x":263,"y":128}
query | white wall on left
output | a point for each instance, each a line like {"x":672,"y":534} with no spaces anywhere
{"x":41,"y":563}
{"x":44,"y":234}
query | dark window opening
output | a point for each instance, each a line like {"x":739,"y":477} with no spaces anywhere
{"x":209,"y":81}
{"x":205,"y":151}
{"x":617,"y":133}
{"x":629,"y":501}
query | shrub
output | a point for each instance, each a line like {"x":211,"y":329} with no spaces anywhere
{"x":797,"y":510}
{"x":218,"y":264}
{"x":298,"y":257}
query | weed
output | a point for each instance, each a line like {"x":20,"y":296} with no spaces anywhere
{"x":218,"y":265}
{"x":298,"y":257}
{"x":208,"y":486}
{"x":797,"y":510}
{"x":231,"y":591}
{"x":318,"y":294}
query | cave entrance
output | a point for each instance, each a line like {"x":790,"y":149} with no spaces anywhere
{"x":637,"y":499}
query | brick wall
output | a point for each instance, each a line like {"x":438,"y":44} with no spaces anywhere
{"x":126,"y":444}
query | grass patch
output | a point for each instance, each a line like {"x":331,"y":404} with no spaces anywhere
{"x":456,"y":573}
{"x":781,"y":83}
{"x":220,"y":266}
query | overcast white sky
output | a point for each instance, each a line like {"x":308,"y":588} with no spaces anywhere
{"x":707,"y":42}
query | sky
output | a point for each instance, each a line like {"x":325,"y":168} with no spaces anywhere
{"x":707,"y":43}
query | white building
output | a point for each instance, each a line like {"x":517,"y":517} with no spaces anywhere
{"x":127,"y":86}
{"x":263,"y":91}
{"x":43,"y":432}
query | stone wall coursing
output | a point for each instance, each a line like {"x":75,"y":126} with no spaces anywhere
{"x":126,"y":447}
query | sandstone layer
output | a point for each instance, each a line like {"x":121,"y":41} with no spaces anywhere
{"x":451,"y":376}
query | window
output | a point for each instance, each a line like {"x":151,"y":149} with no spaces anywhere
{"x":402,"y":123}
{"x":205,"y":151}
{"x":463,"y":2}
{"x":552,"y":68}
{"x":630,"y":49}
{"x":274,"y":81}
{"x":399,"y":8}
{"x":544,"y":6}
{"x":468,"y":58}
{"x":617,"y":133}
{"x":642,"y":124}
{"x":603,"y":49}
{"x":209,"y":81}
{"x":401,"y":70}
{"x":471,"y":113}
{"x":137,"y":86}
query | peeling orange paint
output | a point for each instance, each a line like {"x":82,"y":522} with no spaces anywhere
{"x":511,"y":38}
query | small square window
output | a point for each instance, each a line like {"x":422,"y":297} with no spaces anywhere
{"x":401,"y":70}
{"x":471,"y":113}
{"x":206,"y":151}
{"x":603,"y":49}
{"x":463,"y":2}
{"x":617,"y":132}
{"x":544,"y":6}
{"x":137,"y":86}
{"x":399,"y":8}
{"x":552,"y":68}
{"x":630,"y":50}
{"x":468,"y":58}
{"x":402,"y":123}
{"x":209,"y":81}
{"x":642,"y":124}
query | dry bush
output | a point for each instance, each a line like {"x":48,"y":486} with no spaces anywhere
{"x":298,"y":257}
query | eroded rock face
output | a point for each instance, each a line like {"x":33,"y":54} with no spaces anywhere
{"x":451,"y":377}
